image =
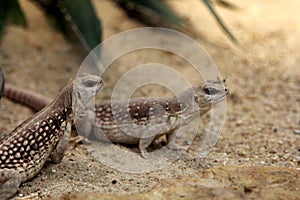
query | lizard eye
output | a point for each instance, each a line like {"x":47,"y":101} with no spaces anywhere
{"x":210,"y":90}
{"x":90,"y":83}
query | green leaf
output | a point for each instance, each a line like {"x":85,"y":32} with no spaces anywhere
{"x":10,"y":11}
{"x":149,"y":7}
{"x":226,"y":4}
{"x":83,"y":20}
{"x":77,"y":19}
{"x":15,"y":13}
{"x":219,"y":20}
{"x":54,"y":16}
{"x":3,"y":15}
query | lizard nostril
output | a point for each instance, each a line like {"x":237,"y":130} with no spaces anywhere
{"x":227,"y":91}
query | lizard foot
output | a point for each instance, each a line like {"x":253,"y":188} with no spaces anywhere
{"x":174,"y":146}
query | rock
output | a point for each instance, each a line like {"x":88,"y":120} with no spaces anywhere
{"x":228,"y":182}
{"x":297,"y":132}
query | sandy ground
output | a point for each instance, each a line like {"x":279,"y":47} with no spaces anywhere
{"x":262,"y":110}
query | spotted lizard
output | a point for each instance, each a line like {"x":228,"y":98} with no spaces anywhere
{"x":25,"y":150}
{"x":144,"y":119}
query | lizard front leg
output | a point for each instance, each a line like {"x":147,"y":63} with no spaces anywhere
{"x":9,"y":183}
{"x":144,"y":143}
{"x":62,"y":145}
{"x":84,"y":123}
{"x":162,"y":130}
{"x":171,"y":141}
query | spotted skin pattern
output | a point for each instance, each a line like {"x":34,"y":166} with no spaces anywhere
{"x":144,"y":119}
{"x":25,"y":150}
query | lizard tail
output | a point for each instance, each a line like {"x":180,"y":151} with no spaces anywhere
{"x":33,"y":100}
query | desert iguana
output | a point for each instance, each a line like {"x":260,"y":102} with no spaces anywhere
{"x":162,"y":115}
{"x":24,"y":151}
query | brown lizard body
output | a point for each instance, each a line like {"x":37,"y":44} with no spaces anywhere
{"x":24,"y":151}
{"x":144,"y":119}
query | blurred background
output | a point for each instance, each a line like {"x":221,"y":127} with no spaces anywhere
{"x":255,"y":44}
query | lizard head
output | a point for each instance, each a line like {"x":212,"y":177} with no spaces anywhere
{"x":201,"y":98}
{"x":209,"y":94}
{"x":86,"y":87}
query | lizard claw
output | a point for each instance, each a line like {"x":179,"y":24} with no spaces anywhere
{"x":144,"y":154}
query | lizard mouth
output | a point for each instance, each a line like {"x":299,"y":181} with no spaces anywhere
{"x":218,"y":98}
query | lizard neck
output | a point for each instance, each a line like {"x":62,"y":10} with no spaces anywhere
{"x":64,"y":99}
{"x":189,"y":109}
